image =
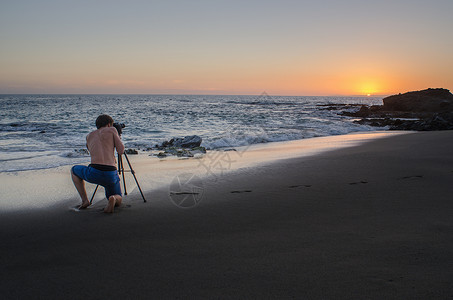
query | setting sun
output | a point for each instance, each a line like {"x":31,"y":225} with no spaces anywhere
{"x":369,"y":88}
{"x":163,"y":51}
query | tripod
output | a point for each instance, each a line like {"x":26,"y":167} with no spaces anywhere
{"x":121,"y":172}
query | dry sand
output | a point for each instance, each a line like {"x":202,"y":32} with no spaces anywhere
{"x":367,"y":222}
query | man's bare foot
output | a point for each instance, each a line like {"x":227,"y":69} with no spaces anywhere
{"x":119,"y":199}
{"x":111,"y":205}
{"x":84,"y":205}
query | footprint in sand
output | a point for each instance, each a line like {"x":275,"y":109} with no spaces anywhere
{"x":301,"y":185}
{"x":91,"y":208}
{"x":77,"y":209}
{"x":412,"y":177}
{"x":360,"y":182}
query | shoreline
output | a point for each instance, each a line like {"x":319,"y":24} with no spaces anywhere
{"x":371,"y":221}
{"x":53,"y":186}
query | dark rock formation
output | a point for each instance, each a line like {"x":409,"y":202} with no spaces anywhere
{"x":430,"y":100}
{"x":441,"y":121}
{"x":162,"y":155}
{"x":181,"y":152}
{"x":191,"y":141}
{"x":188,"y":142}
{"x":430,"y":109}
{"x":188,"y":146}
{"x":131,"y":151}
{"x":82,"y":151}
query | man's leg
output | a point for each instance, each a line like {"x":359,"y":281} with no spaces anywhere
{"x":114,"y":200}
{"x":113,"y":193}
{"x":80,"y":186}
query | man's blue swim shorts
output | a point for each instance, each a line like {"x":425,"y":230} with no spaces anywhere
{"x":108,"y":179}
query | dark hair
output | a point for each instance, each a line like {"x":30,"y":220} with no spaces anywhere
{"x":103,"y":120}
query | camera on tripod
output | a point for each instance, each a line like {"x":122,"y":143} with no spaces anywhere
{"x":119,"y":127}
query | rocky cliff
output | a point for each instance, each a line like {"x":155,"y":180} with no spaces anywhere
{"x":430,"y":109}
{"x":429,"y":100}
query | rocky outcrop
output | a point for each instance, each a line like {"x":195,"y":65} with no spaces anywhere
{"x":430,"y":100}
{"x":131,"y":151}
{"x":430,"y":109}
{"x":191,"y":141}
{"x":440,"y":121}
{"x":77,"y":152}
{"x":192,"y":152}
{"x":188,"y":146}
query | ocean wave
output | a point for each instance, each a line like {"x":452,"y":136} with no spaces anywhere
{"x":270,"y":103}
{"x":14,"y":156}
{"x":249,"y":139}
{"x":58,"y":123}
{"x":27,"y":126}
{"x":75,"y":153}
{"x":230,"y":141}
{"x":40,"y":162}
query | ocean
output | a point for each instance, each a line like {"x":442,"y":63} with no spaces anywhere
{"x":48,"y":131}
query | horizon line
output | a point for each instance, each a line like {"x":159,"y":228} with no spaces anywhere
{"x":195,"y":94}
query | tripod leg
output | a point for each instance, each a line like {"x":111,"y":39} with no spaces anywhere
{"x":121,"y":171}
{"x":94,"y":193}
{"x":133,"y":173}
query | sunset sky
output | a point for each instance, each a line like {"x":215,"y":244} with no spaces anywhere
{"x":225,"y":47}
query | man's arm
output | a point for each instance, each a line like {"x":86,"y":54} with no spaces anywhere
{"x":86,"y":142}
{"x":117,"y":142}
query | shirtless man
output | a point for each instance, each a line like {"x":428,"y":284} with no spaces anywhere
{"x":102,"y":170}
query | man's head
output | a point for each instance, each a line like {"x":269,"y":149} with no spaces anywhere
{"x":103,"y":120}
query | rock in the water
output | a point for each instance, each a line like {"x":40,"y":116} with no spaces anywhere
{"x":441,"y":121}
{"x":181,"y":152}
{"x":430,"y":109}
{"x":162,"y":155}
{"x":430,"y":100}
{"x":191,"y":141}
{"x":188,"y":146}
{"x":131,"y":151}
{"x":82,"y":151}
{"x":188,"y":142}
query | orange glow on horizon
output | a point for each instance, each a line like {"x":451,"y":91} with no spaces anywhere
{"x":368,"y":88}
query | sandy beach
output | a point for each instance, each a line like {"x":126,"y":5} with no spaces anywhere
{"x":372,"y":221}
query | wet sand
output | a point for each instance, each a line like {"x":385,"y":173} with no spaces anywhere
{"x":366,"y":222}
